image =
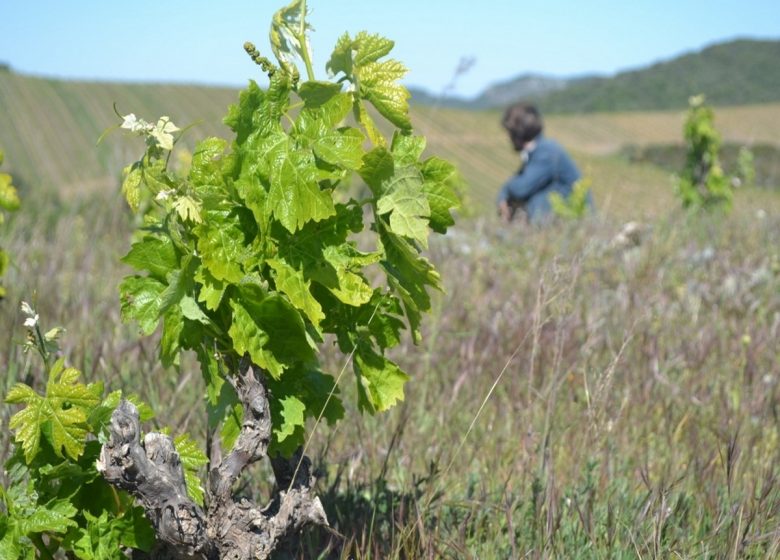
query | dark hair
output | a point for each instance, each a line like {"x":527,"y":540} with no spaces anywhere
{"x":523,"y":122}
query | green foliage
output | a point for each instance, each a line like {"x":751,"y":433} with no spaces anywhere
{"x":575,"y":206}
{"x":765,"y":163}
{"x":56,"y":501}
{"x":9,"y":202}
{"x":746,"y":167}
{"x":255,"y":250}
{"x":702,"y":183}
{"x":61,"y":413}
{"x":751,"y":67}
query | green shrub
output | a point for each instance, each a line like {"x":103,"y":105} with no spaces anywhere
{"x":9,"y":202}
{"x":702,"y":183}
{"x":575,"y":206}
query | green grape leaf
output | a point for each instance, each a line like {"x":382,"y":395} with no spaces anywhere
{"x":12,"y":547}
{"x":300,"y":393}
{"x":440,"y":182}
{"x":141,"y":300}
{"x":289,"y":33}
{"x":408,"y":275}
{"x":208,"y":161}
{"x":156,"y":255}
{"x":100,"y":417}
{"x":316,"y":94}
{"x":406,"y":202}
{"x":383,"y":316}
{"x":145,"y":412}
{"x":350,"y":54}
{"x":156,"y":177}
{"x":370,"y":47}
{"x":249,"y":338}
{"x":378,"y":85}
{"x":250,"y":188}
{"x":192,"y":311}
{"x":378,"y":166}
{"x":180,"y":283}
{"x":290,"y":415}
{"x":54,"y":517}
{"x":342,"y":147}
{"x":358,"y":59}
{"x":314,"y":388}
{"x":231,"y":426}
{"x":407,"y":148}
{"x":105,"y":535}
{"x":350,"y":286}
{"x":221,"y":246}
{"x":341,"y":59}
{"x":289,"y":342}
{"x":134,"y":529}
{"x":295,"y":197}
{"x":329,"y":115}
{"x":241,"y":117}
{"x":222,"y":403}
{"x":372,"y":131}
{"x":211,"y":290}
{"x":291,"y":282}
{"x":188,"y":209}
{"x":170,"y":341}
{"x":192,"y":459}
{"x":131,"y":185}
{"x":380,"y":381}
{"x":62,"y":413}
{"x":27,"y":422}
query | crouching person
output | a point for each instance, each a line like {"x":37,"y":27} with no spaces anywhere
{"x":546,"y":168}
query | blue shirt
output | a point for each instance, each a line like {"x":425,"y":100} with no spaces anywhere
{"x":548,"y":169}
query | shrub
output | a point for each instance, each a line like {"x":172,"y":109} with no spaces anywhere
{"x":702,"y":183}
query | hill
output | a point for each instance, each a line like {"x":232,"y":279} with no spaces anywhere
{"x":527,"y":86}
{"x":740,"y":72}
{"x":736,"y":73}
{"x":49,"y":129}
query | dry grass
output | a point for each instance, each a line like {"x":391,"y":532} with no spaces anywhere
{"x":571,"y":398}
{"x":636,"y":415}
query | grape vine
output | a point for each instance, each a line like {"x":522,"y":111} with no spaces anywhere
{"x":254,"y":258}
{"x":9,"y":202}
{"x":703,"y":183}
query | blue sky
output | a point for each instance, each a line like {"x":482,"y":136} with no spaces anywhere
{"x":197,"y":41}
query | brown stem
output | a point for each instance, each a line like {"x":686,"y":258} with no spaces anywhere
{"x":231,"y":527}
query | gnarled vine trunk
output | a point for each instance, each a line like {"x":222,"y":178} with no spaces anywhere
{"x":230,"y":527}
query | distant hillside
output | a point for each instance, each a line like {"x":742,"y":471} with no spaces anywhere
{"x":741,"y":72}
{"x":501,"y":94}
{"x":527,"y":86}
{"x":736,"y":73}
{"x":49,"y":128}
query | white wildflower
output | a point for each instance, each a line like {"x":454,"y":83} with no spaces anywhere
{"x":164,"y":195}
{"x":31,"y":322}
{"x":130,"y":122}
{"x":163,"y":133}
{"x":134,"y":124}
{"x":629,"y":236}
{"x":27,"y":309}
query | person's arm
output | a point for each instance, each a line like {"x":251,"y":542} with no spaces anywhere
{"x":537,"y":174}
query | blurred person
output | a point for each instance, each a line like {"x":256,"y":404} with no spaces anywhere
{"x":545,"y":168}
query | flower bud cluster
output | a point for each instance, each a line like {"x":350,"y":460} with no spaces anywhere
{"x":260,"y":60}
